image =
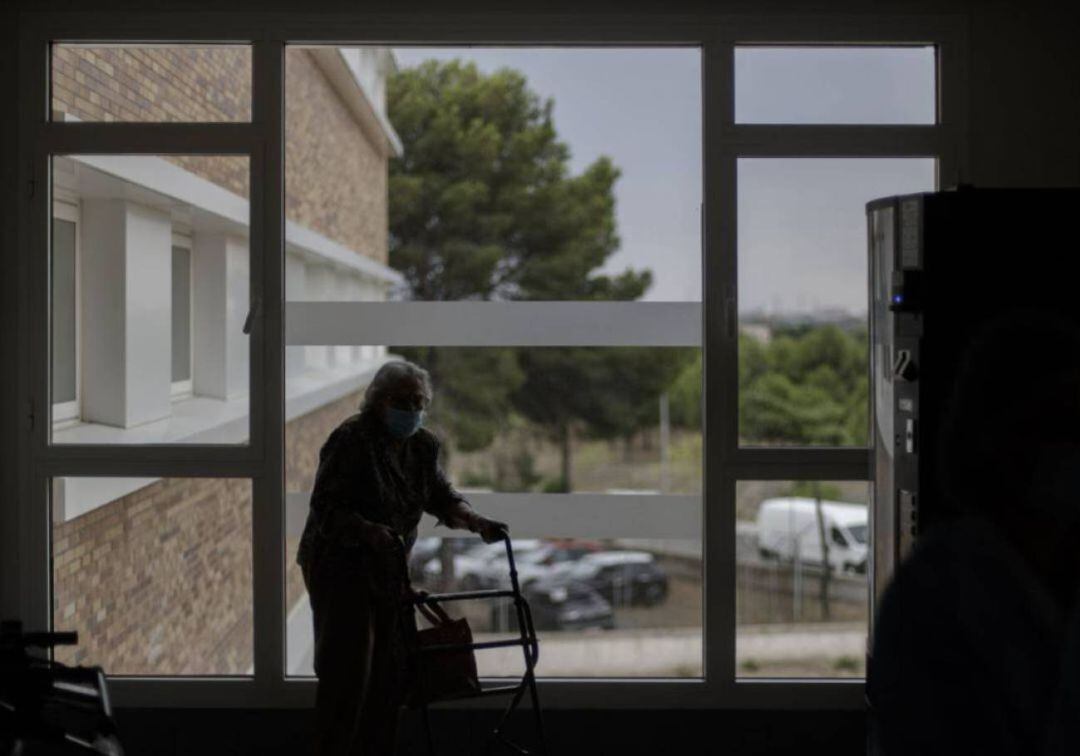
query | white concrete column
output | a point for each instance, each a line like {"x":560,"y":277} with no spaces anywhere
{"x":377,"y":291}
{"x":126,"y":304}
{"x":357,"y":292}
{"x":295,"y":291}
{"x":318,"y":290}
{"x":221,"y":296}
{"x":342,"y":292}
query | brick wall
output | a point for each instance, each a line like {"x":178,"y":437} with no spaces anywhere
{"x":335,"y":177}
{"x":160,"y":581}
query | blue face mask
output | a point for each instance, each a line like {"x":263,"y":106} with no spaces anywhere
{"x":403,"y":423}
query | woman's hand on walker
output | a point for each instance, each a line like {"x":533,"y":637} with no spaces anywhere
{"x":489,"y":530}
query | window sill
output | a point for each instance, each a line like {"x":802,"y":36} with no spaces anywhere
{"x":196,"y":420}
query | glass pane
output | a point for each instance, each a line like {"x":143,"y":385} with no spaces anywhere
{"x":794,"y":618}
{"x":181,"y":314}
{"x":500,"y":173}
{"x":130,"y":303}
{"x":632,"y":426}
{"x":154,"y":574}
{"x":550,"y":419}
{"x":63,"y":312}
{"x":803,"y":293}
{"x":151,"y":83}
{"x":838,"y":85}
{"x":607,"y":607}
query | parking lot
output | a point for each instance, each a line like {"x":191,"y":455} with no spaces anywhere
{"x":780,"y":630}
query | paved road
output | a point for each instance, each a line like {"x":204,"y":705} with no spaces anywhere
{"x":638,"y":653}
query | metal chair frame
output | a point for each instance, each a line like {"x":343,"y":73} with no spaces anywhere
{"x":530,"y":648}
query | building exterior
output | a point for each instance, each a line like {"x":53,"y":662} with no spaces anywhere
{"x":151,"y":261}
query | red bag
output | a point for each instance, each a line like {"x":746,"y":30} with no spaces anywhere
{"x":443,"y":674}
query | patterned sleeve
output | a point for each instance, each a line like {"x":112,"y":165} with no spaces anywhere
{"x":445,"y":503}
{"x":336,"y":482}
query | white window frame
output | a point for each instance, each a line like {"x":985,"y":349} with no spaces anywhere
{"x":67,"y":208}
{"x":180,"y":390}
{"x":262,"y":459}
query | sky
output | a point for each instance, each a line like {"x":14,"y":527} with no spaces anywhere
{"x":802,"y":237}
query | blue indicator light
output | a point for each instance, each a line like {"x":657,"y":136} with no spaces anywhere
{"x":898,"y":298}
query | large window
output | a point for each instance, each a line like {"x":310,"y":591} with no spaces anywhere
{"x":637,"y":275}
{"x":549,"y":280}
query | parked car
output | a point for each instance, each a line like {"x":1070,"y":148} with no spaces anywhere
{"x":471,"y":566}
{"x":624,"y":578}
{"x":788,"y":527}
{"x":533,"y":564}
{"x":426,"y":549}
{"x":558,"y":603}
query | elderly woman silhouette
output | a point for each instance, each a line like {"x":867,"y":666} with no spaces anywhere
{"x":378,"y":473}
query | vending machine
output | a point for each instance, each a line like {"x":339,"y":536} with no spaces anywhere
{"x":941,"y":265}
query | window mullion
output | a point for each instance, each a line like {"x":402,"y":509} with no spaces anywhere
{"x":720,"y":392}
{"x":752,"y":463}
{"x":268,"y":368}
{"x":34,"y":413}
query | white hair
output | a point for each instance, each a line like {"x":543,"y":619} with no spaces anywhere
{"x":390,"y":376}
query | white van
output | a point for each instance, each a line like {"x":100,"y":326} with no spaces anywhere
{"x":786,"y":526}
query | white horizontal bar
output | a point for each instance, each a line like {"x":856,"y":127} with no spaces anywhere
{"x":578,"y":515}
{"x":485,"y":324}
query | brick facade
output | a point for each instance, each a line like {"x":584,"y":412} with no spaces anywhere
{"x":159,"y":581}
{"x":335,"y":176}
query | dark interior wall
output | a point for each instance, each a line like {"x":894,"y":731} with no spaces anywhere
{"x":1023,"y":113}
{"x":596,"y":733}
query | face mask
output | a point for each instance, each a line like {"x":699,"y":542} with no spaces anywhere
{"x":403,"y":423}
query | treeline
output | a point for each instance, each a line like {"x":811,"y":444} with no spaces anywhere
{"x":803,"y":385}
{"x":483,"y":206}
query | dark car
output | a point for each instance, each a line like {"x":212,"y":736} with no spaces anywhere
{"x":623,"y":578}
{"x":545,"y":558}
{"x":561,"y":604}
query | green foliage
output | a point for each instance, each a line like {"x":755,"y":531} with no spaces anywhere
{"x":470,"y":479}
{"x":684,"y":395}
{"x":846,"y":664}
{"x":482,"y":206}
{"x":554,"y":485}
{"x":613,"y":391}
{"x":481,"y":203}
{"x":472,"y":390}
{"x":806,"y":385}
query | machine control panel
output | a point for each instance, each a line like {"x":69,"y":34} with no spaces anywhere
{"x":904,"y":367}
